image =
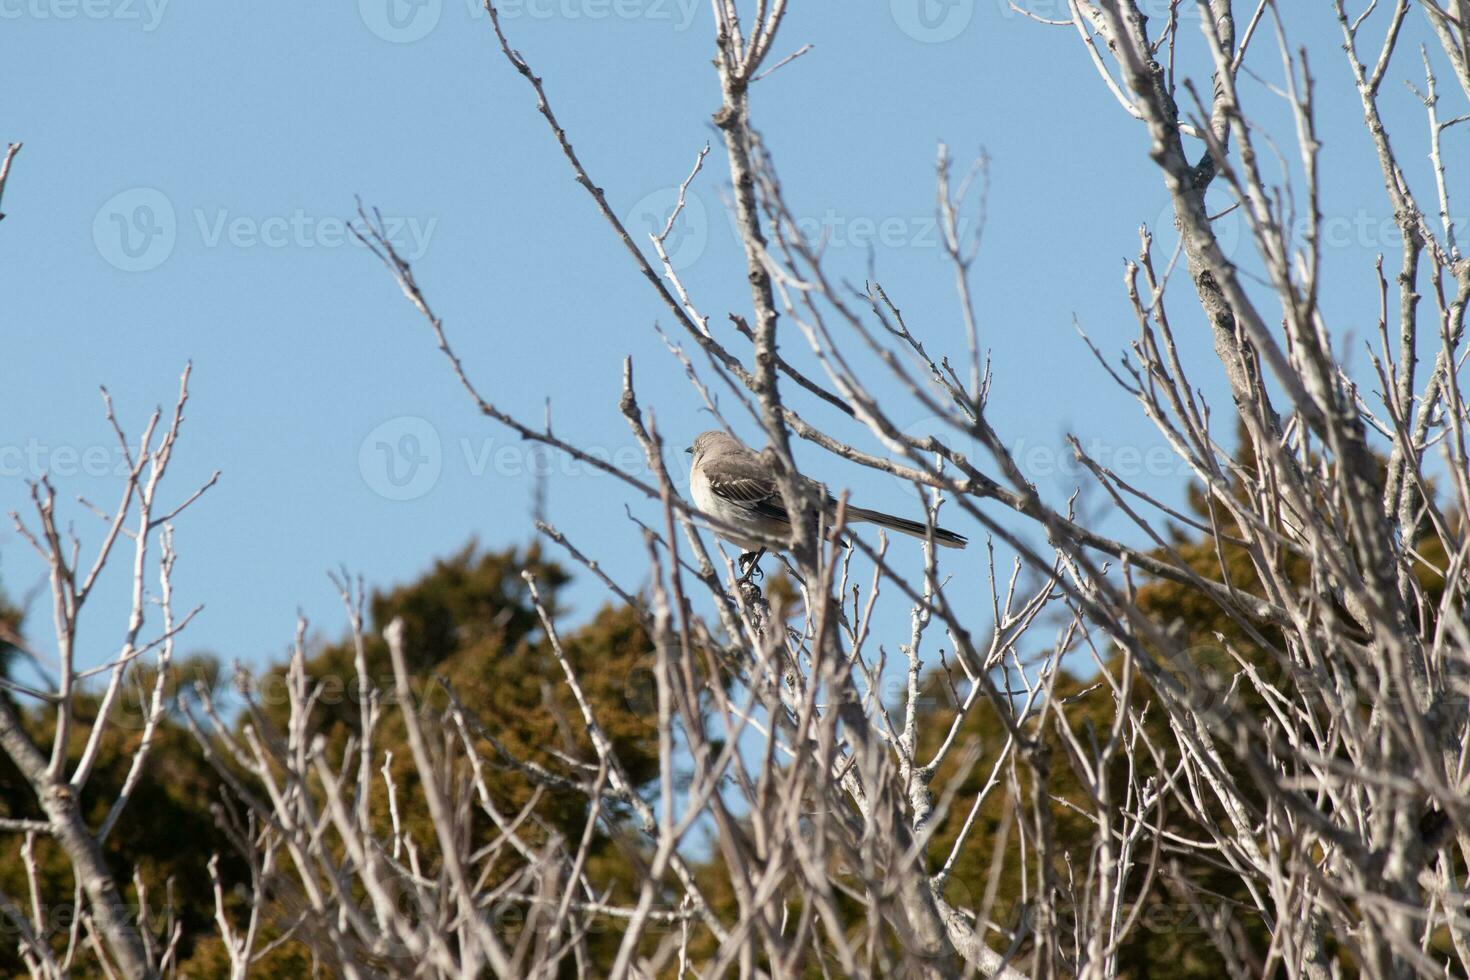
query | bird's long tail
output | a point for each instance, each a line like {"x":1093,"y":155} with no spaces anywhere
{"x":945,"y":538}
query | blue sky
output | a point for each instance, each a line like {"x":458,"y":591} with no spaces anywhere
{"x":188,"y":168}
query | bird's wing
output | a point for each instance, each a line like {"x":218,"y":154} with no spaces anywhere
{"x":746,"y":483}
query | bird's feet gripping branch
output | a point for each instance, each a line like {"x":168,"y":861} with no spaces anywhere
{"x":750,"y":566}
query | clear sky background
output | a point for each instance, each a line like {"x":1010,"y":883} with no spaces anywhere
{"x":188,"y":168}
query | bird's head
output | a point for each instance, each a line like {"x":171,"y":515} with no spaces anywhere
{"x":712,"y":440}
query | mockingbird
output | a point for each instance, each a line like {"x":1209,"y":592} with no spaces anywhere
{"x":734,"y":483}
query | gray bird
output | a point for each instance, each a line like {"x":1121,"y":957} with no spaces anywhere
{"x":734,"y":483}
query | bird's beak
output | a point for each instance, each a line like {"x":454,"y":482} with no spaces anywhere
{"x":689,"y":450}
